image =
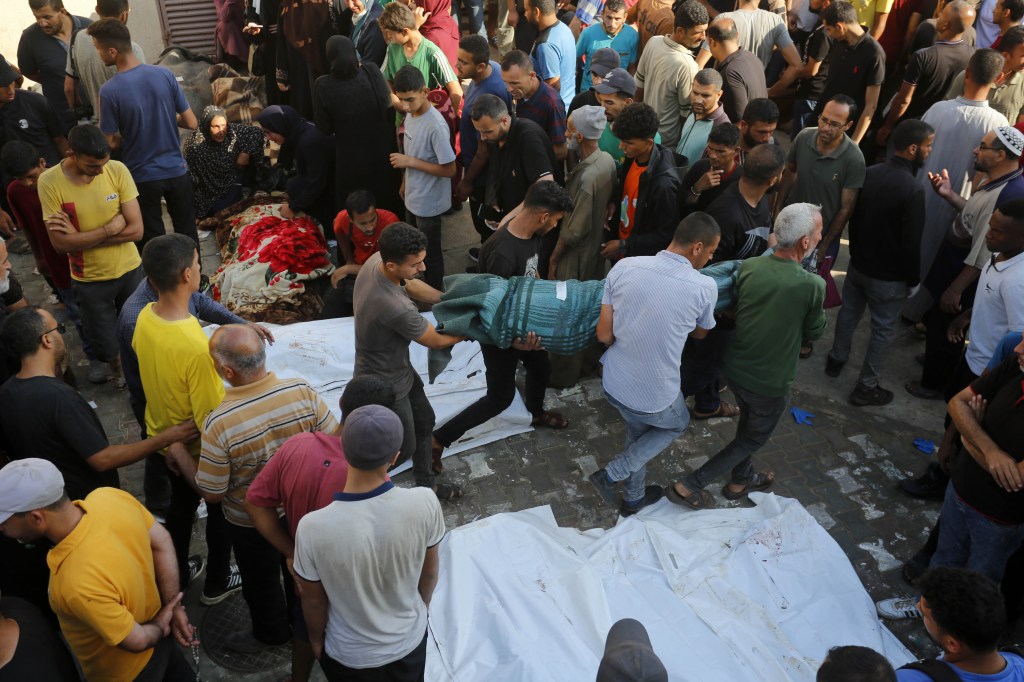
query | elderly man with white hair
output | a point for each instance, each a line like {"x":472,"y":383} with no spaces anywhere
{"x":777,"y":304}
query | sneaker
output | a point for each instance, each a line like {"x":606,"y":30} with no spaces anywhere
{"x":196,"y":564}
{"x":898,"y":608}
{"x":216,"y":595}
{"x":832,"y":366}
{"x":863,"y":396}
{"x":98,"y":372}
{"x":652,"y":494}
{"x":474,"y":254}
{"x":604,"y":485}
{"x":931,"y":485}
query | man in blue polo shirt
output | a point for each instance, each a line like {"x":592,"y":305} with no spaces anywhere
{"x":474,"y":63}
{"x":139,"y":113}
{"x":554,"y":50}
{"x":612,"y":32}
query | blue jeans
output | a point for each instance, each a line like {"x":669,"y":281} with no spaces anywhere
{"x":647,"y":434}
{"x":884,"y":300}
{"x":759,"y":415}
{"x":969,"y":539}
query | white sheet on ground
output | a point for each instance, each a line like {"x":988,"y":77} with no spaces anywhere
{"x":324,"y":352}
{"x":727,"y":595}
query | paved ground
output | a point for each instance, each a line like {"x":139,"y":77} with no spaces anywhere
{"x":843,"y":468}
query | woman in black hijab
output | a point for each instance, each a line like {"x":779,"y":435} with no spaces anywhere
{"x":353,"y":102}
{"x":218,"y":154}
{"x":309,"y":151}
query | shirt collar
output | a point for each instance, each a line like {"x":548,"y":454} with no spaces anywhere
{"x":971,"y":102}
{"x":63,"y":549}
{"x":357,"y":497}
{"x":676,"y":257}
{"x":258,"y":387}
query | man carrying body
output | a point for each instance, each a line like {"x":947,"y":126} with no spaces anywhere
{"x":362,"y":613}
{"x":706,"y":113}
{"x":43,"y":49}
{"x":385,"y":289}
{"x":648,"y":187}
{"x":514,"y":251}
{"x":92,"y":213}
{"x":141,"y":108}
{"x":931,"y":70}
{"x":742,"y":72}
{"x":113,"y":579}
{"x":856,"y":65}
{"x":666,"y":70}
{"x":639,"y":377}
{"x":778,"y":302}
{"x":885,"y":234}
{"x":258,"y":414}
{"x":85,"y":73}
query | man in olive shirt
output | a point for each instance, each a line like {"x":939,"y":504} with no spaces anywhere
{"x":1007,"y":95}
{"x":778,"y":302}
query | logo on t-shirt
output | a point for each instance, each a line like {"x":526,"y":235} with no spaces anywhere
{"x":23,"y":124}
{"x":111,"y":197}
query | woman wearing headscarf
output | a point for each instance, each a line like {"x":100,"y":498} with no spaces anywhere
{"x":218,"y":153}
{"x":440,"y":28}
{"x":353,"y":103}
{"x":309,"y":151}
{"x":357,"y":19}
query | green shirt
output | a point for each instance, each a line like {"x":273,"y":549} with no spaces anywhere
{"x":429,"y":59}
{"x":609,"y":143}
{"x":778,"y":304}
{"x":821,"y":178}
{"x":1006,"y":98}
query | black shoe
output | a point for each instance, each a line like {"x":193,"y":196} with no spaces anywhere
{"x":931,"y":485}
{"x":215,"y":595}
{"x":604,"y":485}
{"x":474,"y":254}
{"x":832,"y":366}
{"x":652,"y":494}
{"x":195,"y":566}
{"x":863,"y":396}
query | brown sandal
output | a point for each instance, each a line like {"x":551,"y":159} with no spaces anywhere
{"x":552,"y":420}
{"x":762,"y":480}
{"x":724,"y":410}
{"x":701,"y":499}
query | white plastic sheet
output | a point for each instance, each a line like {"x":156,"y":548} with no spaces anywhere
{"x":727,"y":595}
{"x":323,"y":353}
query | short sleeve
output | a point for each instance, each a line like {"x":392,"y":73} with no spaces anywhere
{"x":707,"y":317}
{"x":856,"y":172}
{"x":408,"y":324}
{"x":780,"y":36}
{"x":79,"y":426}
{"x":49,"y":197}
{"x":547,"y":61}
{"x":265,"y":490}
{"x":641,"y":68}
{"x":181,"y":104}
{"x":818,"y":46}
{"x":125,"y":184}
{"x":583,"y":45}
{"x":436,"y":528}
{"x":440,"y":70}
{"x":913,"y":72}
{"x":536,"y":161}
{"x":634,"y":45}
{"x":609,"y":285}
{"x":325,"y":421}
{"x":102,"y":612}
{"x":440,"y":141}
{"x":205,"y":388}
{"x":54,"y":127}
{"x":214,"y":472}
{"x":988,"y":384}
{"x":883,"y":6}
{"x":878,"y":67}
{"x":109,"y":109}
{"x":342,"y":224}
{"x":26,"y":59}
{"x":304,"y":561}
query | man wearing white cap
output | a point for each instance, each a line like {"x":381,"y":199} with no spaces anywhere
{"x":113,"y":574}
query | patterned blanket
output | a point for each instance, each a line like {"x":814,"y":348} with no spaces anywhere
{"x":268,"y":263}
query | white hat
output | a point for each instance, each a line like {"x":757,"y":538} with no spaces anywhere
{"x":28,"y":484}
{"x":1012,"y":139}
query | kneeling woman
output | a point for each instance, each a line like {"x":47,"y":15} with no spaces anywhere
{"x":221,"y":157}
{"x":311,"y":153}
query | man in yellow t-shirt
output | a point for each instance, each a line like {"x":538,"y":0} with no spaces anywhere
{"x":113,"y":582}
{"x":92,"y":214}
{"x":180,"y":383}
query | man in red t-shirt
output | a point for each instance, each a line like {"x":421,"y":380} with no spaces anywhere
{"x":354,"y":247}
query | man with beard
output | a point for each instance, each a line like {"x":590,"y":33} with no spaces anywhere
{"x":706,"y":113}
{"x":43,"y":50}
{"x":885,"y":232}
{"x":757,"y":126}
{"x":707,"y":178}
{"x":1007,"y":94}
{"x":615,"y":92}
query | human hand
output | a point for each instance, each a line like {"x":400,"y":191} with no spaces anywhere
{"x":401,"y":161}
{"x":175,"y":459}
{"x":1004,"y":470}
{"x":343,"y":272}
{"x":978,"y":405}
{"x":610,"y":249}
{"x":949,"y":303}
{"x":286,"y":212}
{"x":6,"y":224}
{"x":184,"y":632}
{"x":60,"y":222}
{"x":283,"y":87}
{"x":531,"y":342}
{"x":513,"y":17}
{"x":243,"y":160}
{"x":823,"y":250}
{"x":163,"y":617}
{"x":184,"y":432}
{"x":941,"y":183}
{"x":463,"y":190}
{"x":552,"y":267}
{"x":420,"y":16}
{"x":265,"y":334}
{"x":713,"y":178}
{"x":956,"y":333}
{"x":252,"y":29}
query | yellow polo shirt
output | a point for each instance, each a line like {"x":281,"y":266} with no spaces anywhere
{"x":102,"y":582}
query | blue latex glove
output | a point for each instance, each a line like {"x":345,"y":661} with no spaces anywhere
{"x":924,"y":445}
{"x":801,"y":417}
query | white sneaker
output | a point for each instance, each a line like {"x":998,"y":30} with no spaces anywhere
{"x":898,"y":608}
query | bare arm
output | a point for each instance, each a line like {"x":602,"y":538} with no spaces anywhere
{"x":442,"y":170}
{"x":116,"y":456}
{"x":698,"y":333}
{"x":429,"y":574}
{"x":70,"y":93}
{"x":66,"y":239}
{"x":454,"y":93}
{"x":703,"y":56}
{"x":792,"y":72}
{"x":870,"y":104}
{"x":879,"y":27}
{"x":847,"y":202}
{"x":421,"y":291}
{"x":268,"y":524}
{"x":605,"y":325}
{"x":1003,"y":468}
{"x":187,"y":119}
{"x":314,"y":610}
{"x":899,"y":106}
{"x":435,"y":340}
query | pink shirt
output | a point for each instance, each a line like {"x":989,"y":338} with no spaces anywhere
{"x":301,"y":477}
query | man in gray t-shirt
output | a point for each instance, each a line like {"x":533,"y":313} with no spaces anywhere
{"x":386,"y":322}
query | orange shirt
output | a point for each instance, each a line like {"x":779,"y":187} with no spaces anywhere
{"x":629,"y":192}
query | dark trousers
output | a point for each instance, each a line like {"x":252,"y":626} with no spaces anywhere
{"x":702,"y":367}
{"x":476,"y":202}
{"x":431,"y":227}
{"x":406,"y":669}
{"x":417,"y":423}
{"x":156,"y":483}
{"x":940,"y":356}
{"x":260,"y":566}
{"x":99,"y":304}
{"x":167,"y":664}
{"x":180,"y":515}
{"x":501,"y":364}
{"x":759,"y":416}
{"x":177,"y":192}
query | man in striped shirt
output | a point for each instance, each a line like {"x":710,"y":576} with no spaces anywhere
{"x":259,"y":413}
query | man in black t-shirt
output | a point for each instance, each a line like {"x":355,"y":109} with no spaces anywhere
{"x":514,"y":251}
{"x":708,"y":177}
{"x":44,"y":417}
{"x":814,"y":74}
{"x":743,"y":212}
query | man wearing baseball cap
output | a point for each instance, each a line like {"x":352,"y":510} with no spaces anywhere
{"x":377,"y":609}
{"x":613,"y":33}
{"x":597,"y":67}
{"x":615,"y":92}
{"x":113,"y":575}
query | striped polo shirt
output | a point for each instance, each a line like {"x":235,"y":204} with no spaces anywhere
{"x":246,"y":429}
{"x":656,"y":302}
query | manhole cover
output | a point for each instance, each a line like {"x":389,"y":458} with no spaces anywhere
{"x":223,"y":620}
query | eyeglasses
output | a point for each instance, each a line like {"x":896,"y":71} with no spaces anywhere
{"x":59,"y":328}
{"x":982,"y":147}
{"x":825,"y":123}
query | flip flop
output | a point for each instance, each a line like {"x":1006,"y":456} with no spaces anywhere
{"x":701,"y":499}
{"x":724,"y":410}
{"x":762,"y":480}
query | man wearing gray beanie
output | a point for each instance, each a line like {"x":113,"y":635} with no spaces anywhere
{"x":367,"y":564}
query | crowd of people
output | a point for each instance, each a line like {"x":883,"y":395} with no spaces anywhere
{"x":629,"y":141}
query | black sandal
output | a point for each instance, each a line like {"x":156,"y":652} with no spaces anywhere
{"x":698,"y":500}
{"x":762,"y":480}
